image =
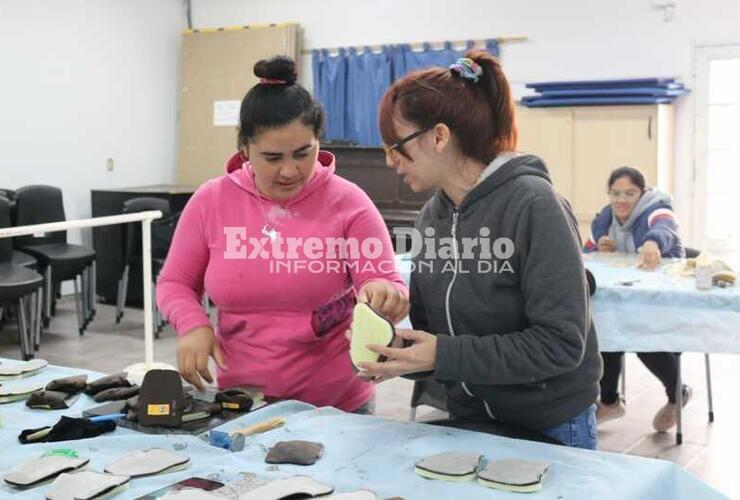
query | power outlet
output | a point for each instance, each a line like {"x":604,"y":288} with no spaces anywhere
{"x":109,"y":165}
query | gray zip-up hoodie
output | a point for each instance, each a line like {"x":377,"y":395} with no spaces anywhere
{"x":515,"y":340}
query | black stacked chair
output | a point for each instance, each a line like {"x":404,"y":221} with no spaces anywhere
{"x":58,"y":260}
{"x":19,"y":258}
{"x":132,"y":248}
{"x":21,"y":287}
{"x":12,"y":198}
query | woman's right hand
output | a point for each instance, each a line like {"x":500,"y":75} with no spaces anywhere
{"x":193,"y":351}
{"x":606,"y":244}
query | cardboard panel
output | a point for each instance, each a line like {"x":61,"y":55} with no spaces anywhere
{"x":217,"y":72}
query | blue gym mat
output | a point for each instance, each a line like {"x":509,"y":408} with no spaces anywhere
{"x":633,"y":82}
{"x":622,"y":91}
{"x":543,"y":102}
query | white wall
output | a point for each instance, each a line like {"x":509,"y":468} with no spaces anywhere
{"x":568,"y":39}
{"x":86,"y":80}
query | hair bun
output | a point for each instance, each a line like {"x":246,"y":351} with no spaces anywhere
{"x":278,"y":68}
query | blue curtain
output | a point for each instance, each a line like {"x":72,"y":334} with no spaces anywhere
{"x":350,"y":84}
{"x":368,"y":76}
{"x":330,"y":88}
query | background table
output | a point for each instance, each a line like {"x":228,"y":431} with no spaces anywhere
{"x":660,"y":311}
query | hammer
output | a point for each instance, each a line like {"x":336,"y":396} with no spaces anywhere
{"x":234,"y":441}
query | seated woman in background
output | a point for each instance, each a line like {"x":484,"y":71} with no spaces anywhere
{"x":638,"y":220}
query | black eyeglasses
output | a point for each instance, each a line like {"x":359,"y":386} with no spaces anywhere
{"x":390,"y":149}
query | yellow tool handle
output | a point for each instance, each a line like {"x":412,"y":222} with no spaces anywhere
{"x":261,"y":427}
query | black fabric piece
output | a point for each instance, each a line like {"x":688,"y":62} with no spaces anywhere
{"x":50,"y":400}
{"x":107,"y":382}
{"x":116,"y":394}
{"x":70,"y":385}
{"x":68,"y":429}
{"x":234,"y":399}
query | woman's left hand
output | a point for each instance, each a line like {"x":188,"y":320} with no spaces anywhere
{"x":649,"y":255}
{"x":420,"y":356}
{"x":385,"y":299}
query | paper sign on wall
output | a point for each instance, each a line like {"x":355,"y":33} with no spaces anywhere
{"x":226,"y":113}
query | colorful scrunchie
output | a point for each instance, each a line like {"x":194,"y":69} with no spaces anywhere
{"x":467,"y":68}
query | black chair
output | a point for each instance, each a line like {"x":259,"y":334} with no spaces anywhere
{"x":19,"y":258}
{"x":161,"y":237}
{"x":22,"y":287}
{"x":23,"y":259}
{"x":12,"y":197}
{"x":58,"y":260}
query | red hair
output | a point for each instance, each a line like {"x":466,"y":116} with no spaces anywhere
{"x":479,"y":114}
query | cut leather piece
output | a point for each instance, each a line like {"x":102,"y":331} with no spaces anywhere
{"x":51,"y":400}
{"x":147,"y":463}
{"x":18,"y":391}
{"x":34,"y":435}
{"x":295,"y":452}
{"x":196,"y":415}
{"x":106,"y":409}
{"x":191,"y":494}
{"x":234,"y":399}
{"x":283,"y":488}
{"x":368,"y":327}
{"x":353,"y":495}
{"x":20,"y":370}
{"x":107,"y":382}
{"x":41,"y":469}
{"x":70,"y":385}
{"x":116,"y":394}
{"x":86,"y":485}
{"x":190,"y":483}
{"x":450,"y":466}
{"x":66,"y":429}
{"x":524,"y":476}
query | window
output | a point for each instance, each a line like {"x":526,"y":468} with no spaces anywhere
{"x":717,"y":154}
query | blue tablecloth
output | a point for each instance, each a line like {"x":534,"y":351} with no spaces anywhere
{"x":361,"y":452}
{"x":659,"y":311}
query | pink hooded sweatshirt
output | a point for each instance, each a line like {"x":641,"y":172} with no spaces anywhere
{"x":281,"y":314}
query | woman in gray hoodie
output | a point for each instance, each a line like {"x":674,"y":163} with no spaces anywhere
{"x":499,"y":300}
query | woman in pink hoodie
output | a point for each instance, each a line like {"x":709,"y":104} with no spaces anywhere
{"x":284,"y":248}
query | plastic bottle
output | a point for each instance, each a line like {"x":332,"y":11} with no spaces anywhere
{"x":703,"y":271}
